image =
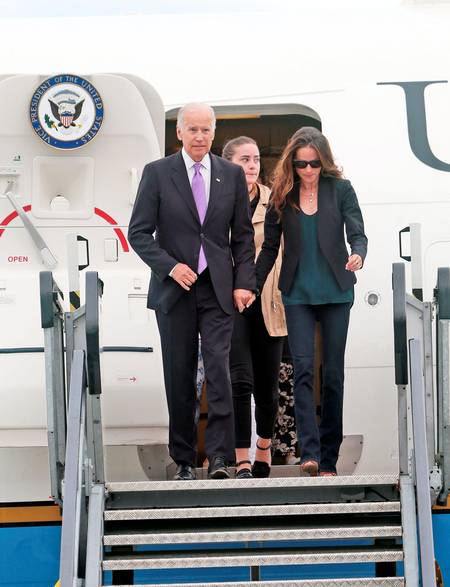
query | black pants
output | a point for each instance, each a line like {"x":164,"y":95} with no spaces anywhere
{"x":319,"y":443}
{"x":197,"y":311}
{"x":254,"y":367}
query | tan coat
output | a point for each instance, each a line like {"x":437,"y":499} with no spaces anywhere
{"x":272,"y":306}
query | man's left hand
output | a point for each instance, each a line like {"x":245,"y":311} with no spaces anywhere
{"x":354,"y":263}
{"x":243,"y":298}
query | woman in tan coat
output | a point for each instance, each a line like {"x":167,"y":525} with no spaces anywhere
{"x":258,"y":334}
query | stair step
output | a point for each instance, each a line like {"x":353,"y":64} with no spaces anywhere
{"x":250,"y":557}
{"x":253,"y":534}
{"x":246,"y":511}
{"x":240,"y":492}
{"x":372,"y":582}
{"x":234,"y":484}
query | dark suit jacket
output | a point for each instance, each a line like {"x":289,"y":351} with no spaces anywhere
{"x":338,"y":208}
{"x":165,"y":230}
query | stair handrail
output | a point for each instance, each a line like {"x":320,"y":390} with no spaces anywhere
{"x":421,"y":466}
{"x":52,"y":322}
{"x":94,"y":291}
{"x":406,"y":307}
{"x":74,"y":526}
{"x":84,"y":470}
{"x":442,"y":300}
{"x":401,"y":362}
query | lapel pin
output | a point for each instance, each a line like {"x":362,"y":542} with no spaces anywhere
{"x":217,"y":179}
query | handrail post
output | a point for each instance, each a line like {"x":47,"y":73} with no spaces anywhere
{"x":95,"y":537}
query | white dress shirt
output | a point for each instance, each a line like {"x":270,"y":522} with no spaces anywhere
{"x":205,"y":170}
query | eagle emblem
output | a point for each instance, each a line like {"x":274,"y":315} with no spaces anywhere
{"x":66,"y":107}
{"x":66,"y":111}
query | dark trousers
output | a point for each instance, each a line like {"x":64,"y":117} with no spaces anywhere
{"x":254,"y":367}
{"x":320,"y":443}
{"x":197,"y":311}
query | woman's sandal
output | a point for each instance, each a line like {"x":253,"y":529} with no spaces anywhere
{"x":310,"y":467}
{"x":261,"y":469}
{"x":245,"y":472}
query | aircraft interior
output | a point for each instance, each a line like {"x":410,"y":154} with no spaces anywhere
{"x":269,"y":125}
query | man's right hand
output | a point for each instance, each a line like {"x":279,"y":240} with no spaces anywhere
{"x":183,"y":275}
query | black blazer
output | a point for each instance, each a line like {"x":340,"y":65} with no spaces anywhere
{"x":337,"y":209}
{"x":165,"y":230}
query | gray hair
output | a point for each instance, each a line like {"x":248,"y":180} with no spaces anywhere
{"x":195,"y":106}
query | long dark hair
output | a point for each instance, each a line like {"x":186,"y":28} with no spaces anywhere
{"x":284,"y":173}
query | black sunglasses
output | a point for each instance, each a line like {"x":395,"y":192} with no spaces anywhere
{"x":302,"y":164}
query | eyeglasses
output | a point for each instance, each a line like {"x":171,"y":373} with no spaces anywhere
{"x":302,"y":164}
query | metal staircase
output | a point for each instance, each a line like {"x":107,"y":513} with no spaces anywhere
{"x":367,"y":530}
{"x":255,"y":524}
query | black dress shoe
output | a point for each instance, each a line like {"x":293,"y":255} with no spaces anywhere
{"x":185,"y":473}
{"x":261,"y":469}
{"x":217,"y":469}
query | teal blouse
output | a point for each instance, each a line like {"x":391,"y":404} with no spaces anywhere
{"x":314,"y":281}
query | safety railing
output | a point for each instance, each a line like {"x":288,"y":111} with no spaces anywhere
{"x":424,"y":465}
{"x":52,"y":321}
{"x":442,"y":296}
{"x":84,"y":474}
{"x":75,"y":435}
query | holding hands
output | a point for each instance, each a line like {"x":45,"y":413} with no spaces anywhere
{"x":243,"y":298}
{"x":354,"y":263}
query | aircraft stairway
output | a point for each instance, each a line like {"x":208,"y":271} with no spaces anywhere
{"x":254,"y":523}
{"x":285,"y":530}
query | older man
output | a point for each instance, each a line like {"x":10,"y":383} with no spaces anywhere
{"x":191,"y":225}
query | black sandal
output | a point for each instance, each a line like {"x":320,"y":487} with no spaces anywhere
{"x":261,"y":469}
{"x":245,"y":472}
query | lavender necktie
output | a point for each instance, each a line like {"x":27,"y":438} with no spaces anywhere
{"x":199,"y":191}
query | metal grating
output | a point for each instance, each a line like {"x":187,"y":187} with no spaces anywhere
{"x":380,"y":582}
{"x":277,"y":482}
{"x":251,"y":511}
{"x":250,"y":558}
{"x":201,"y":537}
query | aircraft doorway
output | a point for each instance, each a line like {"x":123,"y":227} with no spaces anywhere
{"x":270,"y":125}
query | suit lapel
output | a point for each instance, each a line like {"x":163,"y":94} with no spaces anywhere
{"x":181,"y":181}
{"x":215,"y":189}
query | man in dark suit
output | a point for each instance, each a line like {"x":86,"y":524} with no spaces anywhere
{"x":191,"y":226}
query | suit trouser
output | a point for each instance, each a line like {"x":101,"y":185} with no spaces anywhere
{"x":197,"y":311}
{"x":320,"y":443}
{"x":254,"y":366}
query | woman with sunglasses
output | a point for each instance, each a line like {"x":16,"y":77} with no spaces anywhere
{"x":310,"y":206}
{"x":258,"y":334}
